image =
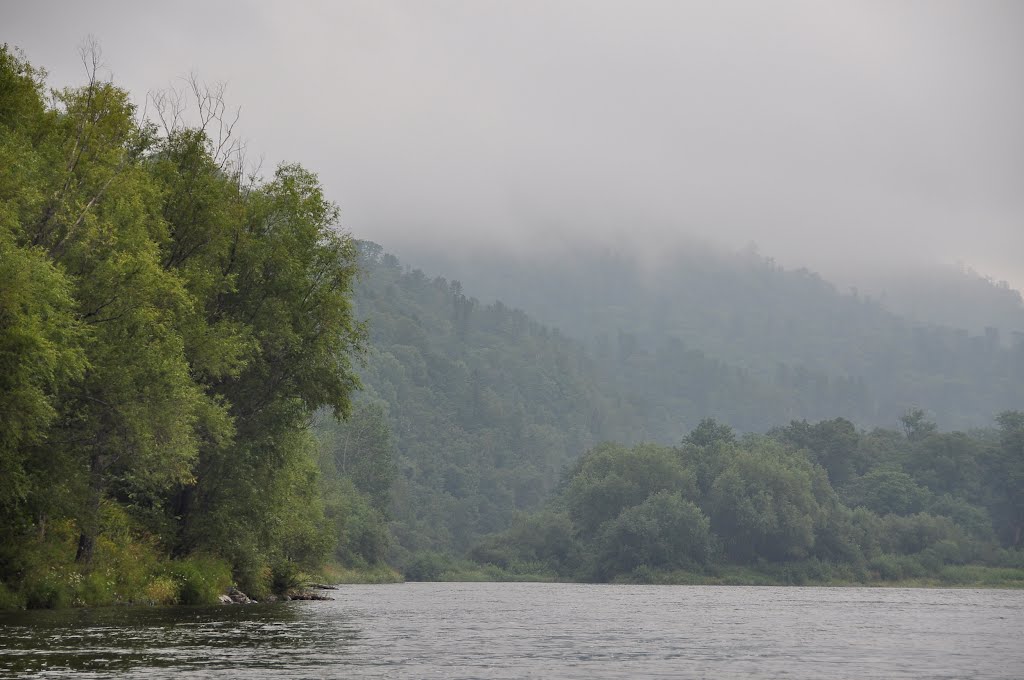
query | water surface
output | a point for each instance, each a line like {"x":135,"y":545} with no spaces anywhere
{"x":504,"y":630}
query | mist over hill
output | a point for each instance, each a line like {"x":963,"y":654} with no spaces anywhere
{"x":952,"y":295}
{"x":489,"y":403}
{"x":827,"y":350}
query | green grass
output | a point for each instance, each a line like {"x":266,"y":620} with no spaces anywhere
{"x":954,"y":576}
{"x":886,"y":571}
{"x":334,"y":573}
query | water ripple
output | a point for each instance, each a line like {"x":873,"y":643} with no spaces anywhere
{"x":538,"y":630}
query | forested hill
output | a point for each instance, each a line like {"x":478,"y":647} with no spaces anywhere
{"x":953,"y":296}
{"x":816,"y":350}
{"x":487,"y":406}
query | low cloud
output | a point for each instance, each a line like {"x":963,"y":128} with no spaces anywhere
{"x":836,"y":135}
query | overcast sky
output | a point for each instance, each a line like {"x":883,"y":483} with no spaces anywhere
{"x":827,"y":133}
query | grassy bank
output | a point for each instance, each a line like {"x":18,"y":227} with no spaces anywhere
{"x":951,"y":577}
{"x":129,"y":567}
{"x":336,"y":574}
{"x":124,"y":570}
{"x":884,"y":571}
{"x":959,"y":576}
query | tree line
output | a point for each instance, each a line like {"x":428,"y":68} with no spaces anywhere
{"x":698,"y":326}
{"x":820,"y":502}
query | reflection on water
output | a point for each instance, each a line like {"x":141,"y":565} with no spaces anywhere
{"x":538,"y":630}
{"x":199,"y":640}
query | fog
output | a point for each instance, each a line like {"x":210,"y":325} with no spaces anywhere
{"x":840,"y":136}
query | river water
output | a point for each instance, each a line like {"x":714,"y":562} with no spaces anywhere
{"x":508,"y":630}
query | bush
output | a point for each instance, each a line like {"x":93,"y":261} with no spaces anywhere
{"x":972,"y":574}
{"x":664,"y":532}
{"x":285,"y":576}
{"x":896,"y":567}
{"x":426,"y":566}
{"x":52,"y":588}
{"x":201,"y":580}
{"x":161,"y":590}
{"x":10,"y":599}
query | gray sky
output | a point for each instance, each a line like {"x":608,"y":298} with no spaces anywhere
{"x":833,"y":135}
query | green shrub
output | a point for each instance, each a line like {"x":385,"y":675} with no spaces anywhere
{"x":897,"y":567}
{"x":9,"y":599}
{"x":253,"y":574}
{"x":96,"y":589}
{"x":886,"y":567}
{"x":285,"y":576}
{"x":201,"y":580}
{"x":426,"y":566}
{"x":51,"y":588}
{"x":161,"y":590}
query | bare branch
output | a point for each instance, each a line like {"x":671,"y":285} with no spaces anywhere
{"x":170,"y":106}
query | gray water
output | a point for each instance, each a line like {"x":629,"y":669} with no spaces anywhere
{"x":505,"y":630}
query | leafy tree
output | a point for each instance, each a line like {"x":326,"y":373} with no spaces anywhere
{"x":666,"y":531}
{"x":833,"y":444}
{"x":361,"y":450}
{"x":916,"y":424}
{"x":1008,"y":478}
{"x":887,"y":491}
{"x":167,"y":330}
{"x":545,"y":537}
{"x":767,"y":503}
{"x":609,"y":479}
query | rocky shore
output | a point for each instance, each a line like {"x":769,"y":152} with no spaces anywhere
{"x":236,"y":596}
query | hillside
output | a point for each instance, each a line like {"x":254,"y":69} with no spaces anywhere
{"x":488,"y":406}
{"x":959,"y":297}
{"x":816,"y":350}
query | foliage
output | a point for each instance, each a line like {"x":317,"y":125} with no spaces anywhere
{"x":699,"y":332}
{"x":665,"y":531}
{"x":485,"y":408}
{"x":762,"y":509}
{"x":200,"y":579}
{"x":178,"y":341}
{"x":168,"y":328}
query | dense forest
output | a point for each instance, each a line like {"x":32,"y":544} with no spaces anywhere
{"x":169,"y":327}
{"x":815,"y":351}
{"x":488,"y":407}
{"x":804,"y":503}
{"x":204,"y":382}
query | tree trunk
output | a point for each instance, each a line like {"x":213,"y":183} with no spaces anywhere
{"x":182,"y":504}
{"x":91,"y":521}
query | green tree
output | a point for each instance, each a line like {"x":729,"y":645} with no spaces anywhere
{"x":886,"y":491}
{"x":285,"y":281}
{"x":610,"y":478}
{"x":167,"y":331}
{"x":767,"y":503}
{"x":666,"y":531}
{"x":832,"y":444}
{"x":361,"y":449}
{"x":1008,"y":478}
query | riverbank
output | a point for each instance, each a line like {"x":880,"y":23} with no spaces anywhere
{"x":129,"y":570}
{"x":950,"y":576}
{"x":337,"y":574}
{"x":127,"y":579}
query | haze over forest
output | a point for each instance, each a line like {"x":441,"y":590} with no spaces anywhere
{"x":693,"y":294}
{"x":850,"y":138}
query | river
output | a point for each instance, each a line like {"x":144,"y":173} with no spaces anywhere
{"x":509,"y":630}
